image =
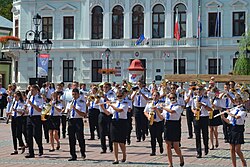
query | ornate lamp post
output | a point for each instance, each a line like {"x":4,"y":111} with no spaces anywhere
{"x":107,"y":53}
{"x":36,"y":44}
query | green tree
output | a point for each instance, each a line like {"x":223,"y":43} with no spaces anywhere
{"x":242,"y":65}
{"x":5,"y":9}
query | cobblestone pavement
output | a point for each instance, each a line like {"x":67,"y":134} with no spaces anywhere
{"x":137,"y":152}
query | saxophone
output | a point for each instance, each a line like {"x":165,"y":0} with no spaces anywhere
{"x":198,"y":110}
{"x":151,"y":113}
{"x":45,"y":111}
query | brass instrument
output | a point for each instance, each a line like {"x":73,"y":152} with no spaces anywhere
{"x":198,"y":111}
{"x":211,"y":114}
{"x":244,"y":92}
{"x":152,"y":114}
{"x":45,"y":111}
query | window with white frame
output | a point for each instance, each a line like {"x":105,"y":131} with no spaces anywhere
{"x":212,"y":66}
{"x":181,"y":65}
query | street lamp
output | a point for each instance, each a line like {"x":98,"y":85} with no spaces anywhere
{"x":107,"y":53}
{"x":36,"y":44}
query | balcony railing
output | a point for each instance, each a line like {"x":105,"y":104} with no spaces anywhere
{"x":130,"y":43}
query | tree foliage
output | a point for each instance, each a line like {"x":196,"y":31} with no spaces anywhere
{"x":242,"y":65}
{"x":5,"y":9}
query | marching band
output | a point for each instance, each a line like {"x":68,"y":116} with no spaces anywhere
{"x":157,"y":110}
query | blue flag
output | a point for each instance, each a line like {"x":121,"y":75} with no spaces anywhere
{"x":140,"y":40}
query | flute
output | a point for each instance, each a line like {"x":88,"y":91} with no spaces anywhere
{"x":227,"y":111}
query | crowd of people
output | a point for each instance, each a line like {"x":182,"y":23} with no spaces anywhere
{"x":156,"y":109}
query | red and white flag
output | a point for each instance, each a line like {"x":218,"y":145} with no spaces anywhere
{"x":177,"y":28}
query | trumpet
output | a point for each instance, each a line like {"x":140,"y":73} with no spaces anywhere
{"x":45,"y":112}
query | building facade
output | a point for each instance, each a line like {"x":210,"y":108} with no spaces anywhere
{"x":5,"y":59}
{"x":81,"y":31}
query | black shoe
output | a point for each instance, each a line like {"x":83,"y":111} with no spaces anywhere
{"x":198,"y":156}
{"x":47,"y":140}
{"x":115,"y":162}
{"x":29,"y":156}
{"x":182,"y":163}
{"x":72,"y":159}
{"x":212,"y":148}
{"x":143,"y":138}
{"x":226,"y":141}
{"x":51,"y":150}
{"x":14,"y":153}
{"x":128,"y":142}
{"x":83,"y":156}
{"x":123,"y":160}
{"x":190,"y":137}
{"x":40,"y":154}
{"x":161,"y":150}
{"x":64,"y":136}
{"x":91,"y":139}
{"x":111,"y":150}
{"x":19,"y":148}
{"x":23,"y":149}
{"x":103,"y":152}
{"x":58,"y":146}
{"x":206,"y":152}
{"x":152,"y":154}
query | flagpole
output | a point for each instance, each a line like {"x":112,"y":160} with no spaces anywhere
{"x":177,"y":49}
{"x":218,"y":26}
{"x":199,"y":40}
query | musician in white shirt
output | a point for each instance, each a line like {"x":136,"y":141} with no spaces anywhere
{"x":153,"y":113}
{"x":16,"y":111}
{"x":172,"y":128}
{"x":236,"y":120}
{"x":77,"y":110}
{"x":54,"y":120}
{"x":119,"y":124}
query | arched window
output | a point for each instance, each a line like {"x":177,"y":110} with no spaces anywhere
{"x":158,"y":20}
{"x":117,"y":22}
{"x":137,"y":21}
{"x":182,"y":17}
{"x":97,"y":23}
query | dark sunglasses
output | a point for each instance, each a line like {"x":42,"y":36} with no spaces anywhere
{"x":172,"y":98}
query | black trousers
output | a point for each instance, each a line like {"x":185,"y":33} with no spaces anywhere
{"x":75,"y":130}
{"x":225,"y":127}
{"x":34,"y":129}
{"x":16,"y":129}
{"x":24,"y":128}
{"x":63,"y":121}
{"x":156,"y":131}
{"x":93,"y":122}
{"x":104,"y":122}
{"x":130,"y":127}
{"x":190,"y":116}
{"x":46,"y":128}
{"x":141,"y":122}
{"x":201,"y":125}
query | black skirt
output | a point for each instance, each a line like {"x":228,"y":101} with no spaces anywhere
{"x":236,"y":134}
{"x":215,"y":121}
{"x":119,"y":130}
{"x":54,"y":122}
{"x":172,"y":131}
